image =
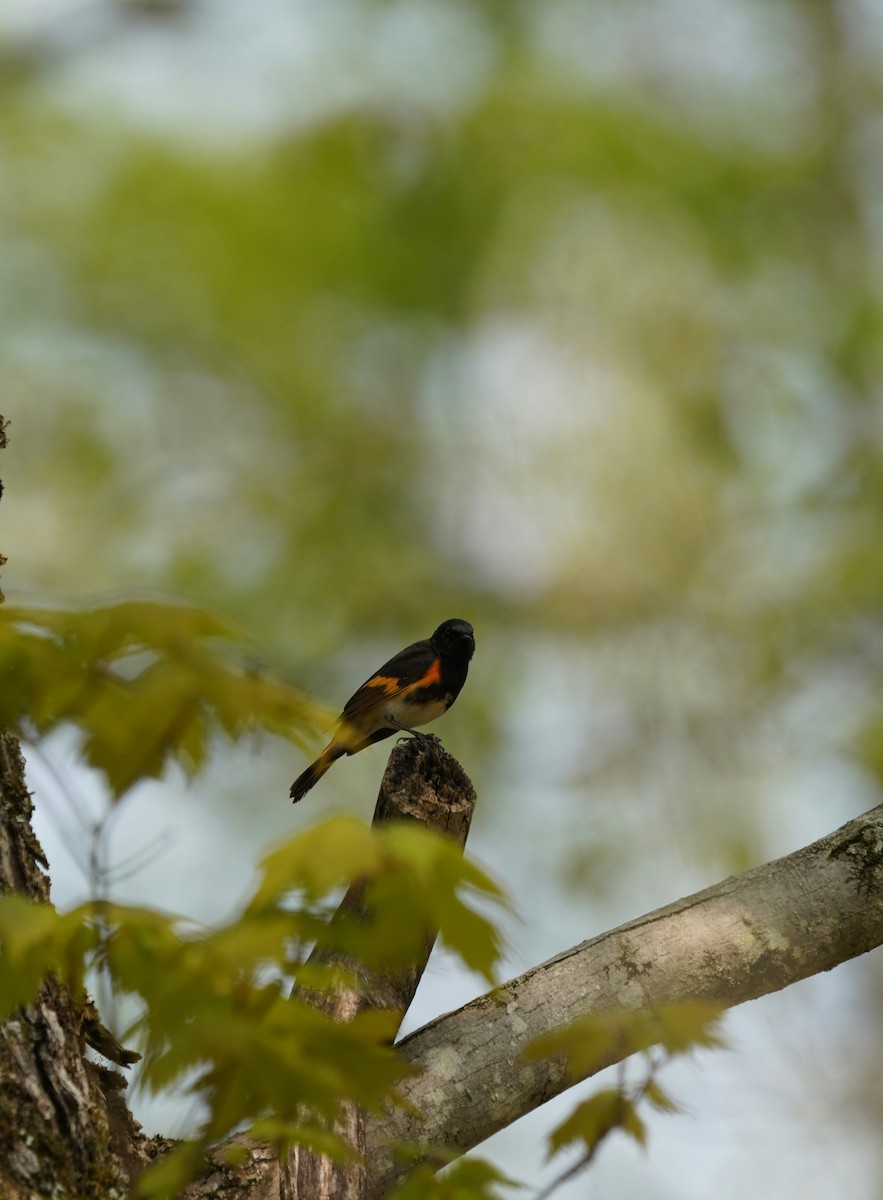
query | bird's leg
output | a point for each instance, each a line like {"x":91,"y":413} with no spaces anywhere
{"x":428,"y":741}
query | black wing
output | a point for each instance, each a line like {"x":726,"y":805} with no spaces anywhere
{"x":402,"y":670}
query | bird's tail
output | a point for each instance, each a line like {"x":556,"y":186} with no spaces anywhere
{"x":316,"y":770}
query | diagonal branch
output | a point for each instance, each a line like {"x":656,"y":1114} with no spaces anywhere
{"x":752,"y":934}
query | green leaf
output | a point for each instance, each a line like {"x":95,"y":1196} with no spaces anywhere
{"x":281,"y":1135}
{"x":431,"y":857}
{"x":596,"y":1041}
{"x":591,"y":1120}
{"x":599,"y":1039}
{"x":412,"y":881}
{"x":36,"y":940}
{"x":443,"y":875}
{"x":634,"y":1126}
{"x":659,"y":1098}
{"x":467,"y":1179}
{"x":334,"y":852}
{"x":683,"y":1027}
{"x":165,"y":1178}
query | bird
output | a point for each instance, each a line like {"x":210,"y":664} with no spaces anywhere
{"x":413,"y":688}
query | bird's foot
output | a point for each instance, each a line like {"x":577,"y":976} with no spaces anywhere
{"x":428,"y":742}
{"x":432,"y":744}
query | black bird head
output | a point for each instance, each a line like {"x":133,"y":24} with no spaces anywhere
{"x":455,"y":638}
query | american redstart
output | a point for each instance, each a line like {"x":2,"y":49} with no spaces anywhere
{"x":417,"y":685}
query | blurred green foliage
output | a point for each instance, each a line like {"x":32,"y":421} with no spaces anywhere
{"x":573,"y":358}
{"x":565,"y":318}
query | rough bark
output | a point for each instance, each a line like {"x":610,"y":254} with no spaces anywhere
{"x":752,"y":934}
{"x":63,"y":1123}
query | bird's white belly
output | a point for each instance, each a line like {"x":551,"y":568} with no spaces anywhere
{"x":400,"y":710}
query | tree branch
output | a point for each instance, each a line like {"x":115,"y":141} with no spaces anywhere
{"x":752,"y":934}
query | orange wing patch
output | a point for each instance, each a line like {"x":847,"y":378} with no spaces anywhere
{"x":433,"y":675}
{"x":381,"y":687}
{"x":372,"y":693}
{"x":389,"y":684}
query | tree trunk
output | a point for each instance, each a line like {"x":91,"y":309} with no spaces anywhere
{"x":64,"y":1125}
{"x":420,"y":787}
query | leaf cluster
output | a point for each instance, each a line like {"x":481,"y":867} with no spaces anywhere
{"x":595,"y":1041}
{"x":467,"y":1179}
{"x":218,"y":1012}
{"x":145,"y":682}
